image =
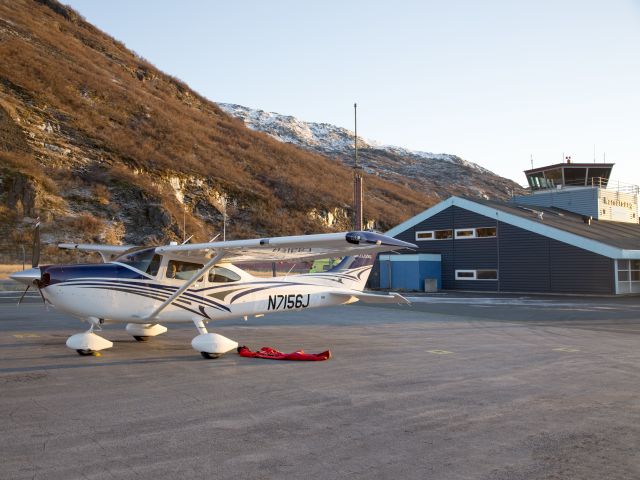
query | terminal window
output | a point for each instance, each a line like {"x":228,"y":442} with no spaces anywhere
{"x":434,"y":235}
{"x":465,"y":233}
{"x":480,"y":274}
{"x":486,"y":232}
{"x":479,"y":232}
{"x":628,"y":276}
{"x":424,"y":235}
{"x":443,"y":234}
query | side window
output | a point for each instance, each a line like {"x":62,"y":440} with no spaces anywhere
{"x":154,"y":265}
{"x":222,"y":275}
{"x":182,"y":270}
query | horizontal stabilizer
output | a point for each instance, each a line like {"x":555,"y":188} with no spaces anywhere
{"x":374,"y":297}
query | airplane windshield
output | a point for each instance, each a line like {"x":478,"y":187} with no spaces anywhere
{"x":144,"y":260}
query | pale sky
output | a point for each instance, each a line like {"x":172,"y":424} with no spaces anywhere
{"x":491,"y":81}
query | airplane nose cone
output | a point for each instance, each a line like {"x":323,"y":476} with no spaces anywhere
{"x":26,"y":276}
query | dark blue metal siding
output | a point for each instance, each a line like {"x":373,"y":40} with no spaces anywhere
{"x":524,"y":260}
{"x":465,"y":219}
{"x":573,"y":270}
{"x":533,"y":263}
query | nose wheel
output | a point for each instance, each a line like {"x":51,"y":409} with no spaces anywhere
{"x":86,"y":353}
{"x":210,"y":356}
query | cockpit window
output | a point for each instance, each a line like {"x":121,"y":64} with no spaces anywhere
{"x":182,"y":270}
{"x":222,"y":275}
{"x":144,"y":260}
{"x":153,"y":267}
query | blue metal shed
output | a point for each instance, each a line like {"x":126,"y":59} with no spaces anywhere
{"x":408,"y":272}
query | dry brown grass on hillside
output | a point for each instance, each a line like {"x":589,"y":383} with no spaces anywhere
{"x":104,"y":97}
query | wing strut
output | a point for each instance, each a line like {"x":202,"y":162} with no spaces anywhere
{"x":186,"y":285}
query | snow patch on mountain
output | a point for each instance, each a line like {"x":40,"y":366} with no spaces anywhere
{"x":450,"y":173}
{"x":324,"y":136}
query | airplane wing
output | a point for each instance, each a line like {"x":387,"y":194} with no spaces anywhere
{"x":391,"y":297}
{"x":107,"y":252}
{"x":294,"y":248}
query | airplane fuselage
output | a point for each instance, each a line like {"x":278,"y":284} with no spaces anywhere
{"x":131,"y":300}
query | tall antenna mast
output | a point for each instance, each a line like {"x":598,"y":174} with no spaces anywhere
{"x":355,"y":127}
{"x":357,"y":176}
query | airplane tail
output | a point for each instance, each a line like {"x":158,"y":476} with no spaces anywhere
{"x":353,"y":272}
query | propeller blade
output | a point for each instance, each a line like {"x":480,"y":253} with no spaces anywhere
{"x":35,"y":254}
{"x":23,"y":294}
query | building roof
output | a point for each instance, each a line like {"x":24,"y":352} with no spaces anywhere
{"x":611,"y":239}
{"x":618,"y":234}
{"x":570,"y":165}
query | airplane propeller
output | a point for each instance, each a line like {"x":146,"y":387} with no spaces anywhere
{"x":35,"y":261}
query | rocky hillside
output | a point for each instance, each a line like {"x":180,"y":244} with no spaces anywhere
{"x":440,"y":174}
{"x":104,"y":147}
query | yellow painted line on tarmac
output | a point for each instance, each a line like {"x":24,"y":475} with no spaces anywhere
{"x":566,"y":349}
{"x":26,"y":335}
{"x":439,"y":352}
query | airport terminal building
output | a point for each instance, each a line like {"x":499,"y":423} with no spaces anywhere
{"x":574,"y":233}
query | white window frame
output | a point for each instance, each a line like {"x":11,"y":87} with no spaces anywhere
{"x":475,"y":275}
{"x":432,"y":232}
{"x":466,"y":278}
{"x":433,"y":235}
{"x":465,"y":237}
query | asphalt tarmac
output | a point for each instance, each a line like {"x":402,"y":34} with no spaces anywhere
{"x":452,"y":387}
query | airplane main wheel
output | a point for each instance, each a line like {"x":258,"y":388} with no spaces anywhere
{"x":84,"y":353}
{"x":209,"y":356}
{"x":141,"y":338}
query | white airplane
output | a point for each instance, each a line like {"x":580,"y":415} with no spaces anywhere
{"x":146,"y":286}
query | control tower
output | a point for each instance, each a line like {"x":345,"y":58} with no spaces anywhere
{"x":582,"y":188}
{"x":569,"y":175}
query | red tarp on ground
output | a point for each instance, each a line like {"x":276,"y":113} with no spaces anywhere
{"x":273,"y":354}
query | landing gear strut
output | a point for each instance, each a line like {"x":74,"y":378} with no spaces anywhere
{"x":211,"y":345}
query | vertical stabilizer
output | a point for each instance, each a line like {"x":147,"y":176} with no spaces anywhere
{"x":354,"y":271}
